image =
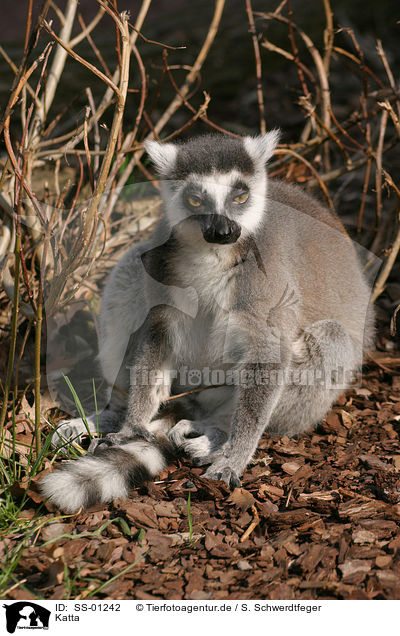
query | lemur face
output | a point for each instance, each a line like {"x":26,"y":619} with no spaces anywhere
{"x":217,"y":202}
{"x":218,"y":183}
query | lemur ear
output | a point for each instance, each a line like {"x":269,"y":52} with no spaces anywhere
{"x":261,"y":148}
{"x":162,"y":155}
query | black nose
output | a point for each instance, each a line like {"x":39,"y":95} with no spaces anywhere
{"x":219,"y":229}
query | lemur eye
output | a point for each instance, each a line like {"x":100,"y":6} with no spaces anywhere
{"x":194,"y":201}
{"x":242,"y":197}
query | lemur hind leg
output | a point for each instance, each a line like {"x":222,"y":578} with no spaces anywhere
{"x":323,"y":364}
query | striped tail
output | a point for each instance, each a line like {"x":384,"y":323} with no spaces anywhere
{"x":108,"y":474}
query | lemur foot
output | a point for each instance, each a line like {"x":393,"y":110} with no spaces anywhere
{"x":116,"y":439}
{"x":72,"y":431}
{"x":197,"y":440}
{"x":220,"y":470}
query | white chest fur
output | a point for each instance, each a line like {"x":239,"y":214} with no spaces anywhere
{"x":201,"y":340}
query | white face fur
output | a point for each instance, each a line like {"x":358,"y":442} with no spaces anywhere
{"x":217,"y":186}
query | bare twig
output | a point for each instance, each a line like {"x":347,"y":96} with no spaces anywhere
{"x":318,"y":178}
{"x":302,"y":68}
{"x":87,"y":29}
{"x":388,"y":70}
{"x":15,"y":70}
{"x":378,"y":173}
{"x":179,"y":98}
{"x":56,"y":67}
{"x":319,"y":64}
{"x":22,"y":67}
{"x":95,"y":49}
{"x":328,"y":35}
{"x":364,"y":194}
{"x":354,"y":58}
{"x":96,"y":131}
{"x":14,"y":320}
{"x":395,"y":119}
{"x":252,"y":526}
{"x":257,"y":56}
{"x":110,"y":83}
{"x":379,"y":286}
{"x":82,"y":248}
{"x":184,"y":89}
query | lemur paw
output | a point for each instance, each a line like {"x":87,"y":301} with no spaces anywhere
{"x":197,"y":440}
{"x":221,"y":471}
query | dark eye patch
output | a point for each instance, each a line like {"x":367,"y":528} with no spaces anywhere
{"x":193,"y":192}
{"x":238,"y":187}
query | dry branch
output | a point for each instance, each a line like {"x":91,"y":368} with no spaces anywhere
{"x":387,"y":268}
{"x":257,"y":56}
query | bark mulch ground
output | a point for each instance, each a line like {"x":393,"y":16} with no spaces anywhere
{"x":316,"y":518}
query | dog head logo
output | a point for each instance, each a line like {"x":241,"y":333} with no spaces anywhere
{"x":26,"y":615}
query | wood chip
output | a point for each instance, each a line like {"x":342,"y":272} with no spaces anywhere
{"x":354,"y":571}
{"x":290,"y":467}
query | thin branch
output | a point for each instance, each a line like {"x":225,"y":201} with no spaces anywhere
{"x":257,"y":56}
{"x":82,"y":247}
{"x":15,"y":310}
{"x":96,"y":134}
{"x":387,"y":268}
{"x":388,"y":70}
{"x":22,"y":67}
{"x":364,"y":194}
{"x":86,"y":29}
{"x":319,"y":65}
{"x":58,"y":64}
{"x":184,"y":89}
{"x":290,"y":56}
{"x":318,"y":178}
{"x":95,"y":49}
{"x":354,"y":58}
{"x":328,"y":35}
{"x":87,"y":152}
{"x":179,"y":98}
{"x":6,"y":133}
{"x":395,"y":119}
{"x":378,"y":172}
{"x":81,"y":60}
{"x":15,"y":70}
{"x":75,"y":136}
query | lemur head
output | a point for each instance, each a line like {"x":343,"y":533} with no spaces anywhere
{"x":215,"y":183}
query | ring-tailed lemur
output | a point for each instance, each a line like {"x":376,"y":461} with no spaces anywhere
{"x":247,"y":283}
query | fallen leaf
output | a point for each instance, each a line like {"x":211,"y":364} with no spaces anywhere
{"x":242,"y":498}
{"x":290,"y":467}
